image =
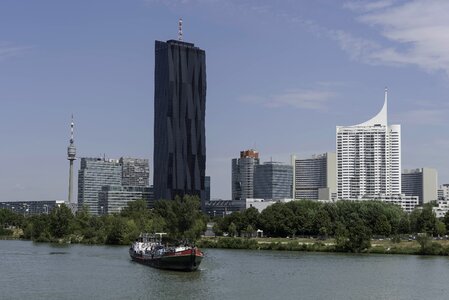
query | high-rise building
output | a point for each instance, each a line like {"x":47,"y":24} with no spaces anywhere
{"x":243,"y":174}
{"x":421,"y":182}
{"x":315,"y":178}
{"x":135,"y":171}
{"x":369,"y":158}
{"x":179,"y":120}
{"x":273,"y":180}
{"x":93,"y":174}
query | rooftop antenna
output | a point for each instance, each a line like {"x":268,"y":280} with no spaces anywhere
{"x":71,"y":131}
{"x":180,"y":30}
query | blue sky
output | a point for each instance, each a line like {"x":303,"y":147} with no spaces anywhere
{"x":281,"y":75}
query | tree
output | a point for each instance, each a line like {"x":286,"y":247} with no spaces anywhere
{"x":427,"y":220}
{"x":182,"y":216}
{"x":232,"y":230}
{"x":249,"y":231}
{"x":353,"y":237}
{"x":60,"y":221}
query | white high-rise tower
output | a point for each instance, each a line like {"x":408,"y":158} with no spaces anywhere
{"x":369,"y":158}
{"x":71,"y":156}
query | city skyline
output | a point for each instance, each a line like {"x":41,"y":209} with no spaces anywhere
{"x":290,"y":64}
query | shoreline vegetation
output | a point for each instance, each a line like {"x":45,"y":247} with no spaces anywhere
{"x":413,"y":247}
{"x":344,"y":226}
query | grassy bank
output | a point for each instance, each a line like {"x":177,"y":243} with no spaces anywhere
{"x":428,"y":247}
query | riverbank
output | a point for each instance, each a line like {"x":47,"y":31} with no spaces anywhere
{"x":382,"y":246}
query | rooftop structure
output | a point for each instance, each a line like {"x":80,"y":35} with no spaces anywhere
{"x":369,"y":158}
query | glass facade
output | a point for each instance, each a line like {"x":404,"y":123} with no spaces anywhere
{"x":114,"y":198}
{"x":135,"y":171}
{"x":310,"y":175}
{"x":273,"y":180}
{"x":179,"y":120}
{"x":92,"y":176}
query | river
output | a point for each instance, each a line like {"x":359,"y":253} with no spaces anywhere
{"x":44,"y":271}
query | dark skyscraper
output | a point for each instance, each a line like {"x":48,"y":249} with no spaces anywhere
{"x":179,"y":120}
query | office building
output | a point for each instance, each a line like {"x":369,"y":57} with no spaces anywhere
{"x":179,"y":120}
{"x":94,"y":173}
{"x":315,"y":178}
{"x":273,"y":180}
{"x":114,"y":198}
{"x":369,"y":158}
{"x":422,"y":183}
{"x":135,"y":171}
{"x":243,"y":174}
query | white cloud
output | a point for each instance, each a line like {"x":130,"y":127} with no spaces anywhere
{"x":424,"y":116}
{"x":414,"y":32}
{"x":365,"y":6}
{"x":298,"y":98}
{"x":7,"y":50}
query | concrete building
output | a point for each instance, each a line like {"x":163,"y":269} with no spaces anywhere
{"x":369,"y":158}
{"x":243,"y":174}
{"x":442,"y":208}
{"x":114,"y":198}
{"x":179,"y":120}
{"x":315,"y":178}
{"x":443,"y":192}
{"x":135,"y":171}
{"x":94,"y":173}
{"x":273,"y":180}
{"x":422,"y":183}
{"x":407,"y":203}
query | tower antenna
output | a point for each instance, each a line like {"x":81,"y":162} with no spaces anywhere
{"x":180,"y":30}
{"x":71,"y":156}
{"x":71,"y":131}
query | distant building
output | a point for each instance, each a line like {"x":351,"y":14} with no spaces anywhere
{"x":443,"y":192}
{"x":273,"y":180}
{"x":243,"y":174}
{"x":30,"y":208}
{"x":315,"y":177}
{"x":261,"y":204}
{"x":93,"y":174}
{"x":221,"y":208}
{"x":179,"y":120}
{"x":369,"y":158}
{"x":114,"y":198}
{"x":422,"y":183}
{"x":407,"y":203}
{"x":135,"y":171}
{"x":442,"y":208}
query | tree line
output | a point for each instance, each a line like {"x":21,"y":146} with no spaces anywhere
{"x":352,"y":224}
{"x":180,"y":218}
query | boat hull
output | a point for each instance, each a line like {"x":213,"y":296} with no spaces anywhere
{"x":186,"y":261}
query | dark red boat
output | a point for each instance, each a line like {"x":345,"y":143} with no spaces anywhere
{"x":149,"y":250}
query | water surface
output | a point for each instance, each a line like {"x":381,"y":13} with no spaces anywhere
{"x":44,"y":271}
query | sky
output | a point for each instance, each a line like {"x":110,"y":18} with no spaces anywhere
{"x":281,"y":75}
